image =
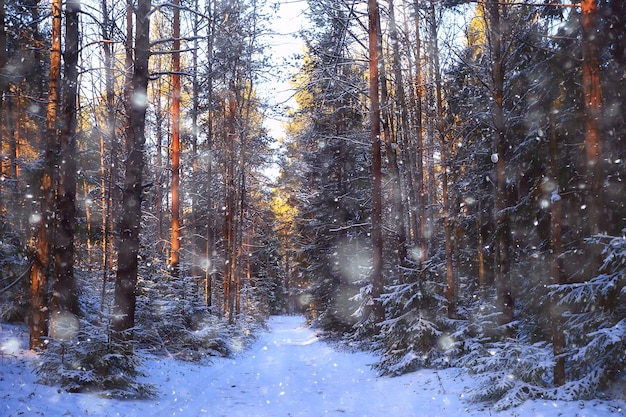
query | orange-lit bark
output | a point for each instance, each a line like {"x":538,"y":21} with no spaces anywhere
{"x":175,"y":241}
{"x":374,"y":111}
{"x":41,"y":264}
{"x":592,"y":91}
{"x":230,"y":226}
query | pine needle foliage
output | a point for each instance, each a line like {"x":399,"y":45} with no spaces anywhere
{"x":596,"y":322}
{"x":93,"y":361}
{"x":408,"y":337}
{"x":510,"y":372}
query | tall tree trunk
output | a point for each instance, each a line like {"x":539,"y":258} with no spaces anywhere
{"x":230,"y":228}
{"x":41,"y":266}
{"x":3,"y":91}
{"x":419,"y":133}
{"x":374,"y":111}
{"x":241,"y":246}
{"x":503,"y":228}
{"x":480,"y":255}
{"x":110,"y":134}
{"x":210,"y":227}
{"x":175,"y":241}
{"x":195,"y":226}
{"x":592,"y":90}
{"x":88,"y":219}
{"x":64,"y":297}
{"x":12,"y":134}
{"x":393,"y":148}
{"x":130,"y":220}
{"x":556,"y":264}
{"x":447,"y":214}
{"x":159,"y":120}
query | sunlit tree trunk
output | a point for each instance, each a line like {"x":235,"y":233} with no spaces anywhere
{"x":374,"y":111}
{"x":41,"y":264}
{"x":130,"y":219}
{"x":592,"y":91}
{"x":175,"y":226}
{"x":230,"y":228}
{"x":64,"y":296}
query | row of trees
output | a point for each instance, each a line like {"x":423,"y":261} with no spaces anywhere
{"x":492,"y":235}
{"x":452,"y":188}
{"x":132,"y":187}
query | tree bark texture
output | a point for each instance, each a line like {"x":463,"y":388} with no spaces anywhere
{"x":592,"y":90}
{"x":175,"y":226}
{"x":130,"y":221}
{"x":374,"y":111}
{"x":64,"y":297}
{"x":41,"y":266}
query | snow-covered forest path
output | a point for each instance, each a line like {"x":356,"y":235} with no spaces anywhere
{"x":287,"y":372}
{"x":290,"y":372}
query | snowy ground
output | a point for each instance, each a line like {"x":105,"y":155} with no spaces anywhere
{"x":287,"y":372}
